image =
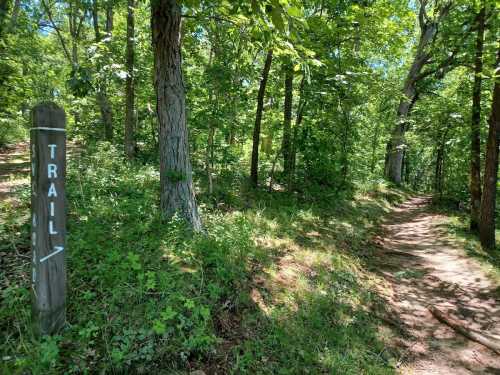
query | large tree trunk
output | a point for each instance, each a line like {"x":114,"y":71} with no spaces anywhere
{"x":488,"y":203}
{"x":101,"y":94}
{"x":287,"y":120}
{"x":428,"y":31}
{"x":396,"y":144}
{"x":254,"y":169}
{"x":177,"y":193}
{"x":475,"y":157}
{"x":129,"y":85}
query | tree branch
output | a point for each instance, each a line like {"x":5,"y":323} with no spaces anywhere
{"x":58,"y":31}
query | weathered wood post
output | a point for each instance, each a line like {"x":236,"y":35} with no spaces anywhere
{"x":48,"y":217}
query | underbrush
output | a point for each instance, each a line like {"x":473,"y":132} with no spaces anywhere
{"x":277,"y":285}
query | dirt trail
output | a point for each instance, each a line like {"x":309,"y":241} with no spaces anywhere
{"x":423,"y":266}
{"x":15,"y":167}
{"x":14,"y":170}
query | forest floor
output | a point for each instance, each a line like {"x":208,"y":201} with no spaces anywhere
{"x":14,"y":174}
{"x":14,"y":169}
{"x":425,"y":267}
{"x":305,"y":294}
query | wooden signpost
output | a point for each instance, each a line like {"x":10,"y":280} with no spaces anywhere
{"x":48,"y":217}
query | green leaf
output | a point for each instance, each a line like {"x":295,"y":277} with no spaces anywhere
{"x":168,"y":314}
{"x":159,"y":327}
{"x":277,"y":19}
{"x":294,"y":12}
{"x":189,"y":303}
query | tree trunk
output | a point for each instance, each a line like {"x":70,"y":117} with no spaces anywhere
{"x":106,"y":113}
{"x":298,"y":121}
{"x":129,"y":85}
{"x":210,"y":157}
{"x":214,"y":104}
{"x":177,"y":192}
{"x":254,"y":169}
{"x":109,"y":19}
{"x":428,"y":31}
{"x":101,"y":94}
{"x":375,"y":143}
{"x":407,"y":169}
{"x":403,"y":168}
{"x":475,"y":157}
{"x":438,"y":173}
{"x":440,"y":159}
{"x":346,"y":142}
{"x":396,"y":143}
{"x":95,"y":21}
{"x":287,"y":120}
{"x":488,"y":203}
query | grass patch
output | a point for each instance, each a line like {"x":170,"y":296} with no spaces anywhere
{"x":278,"y":285}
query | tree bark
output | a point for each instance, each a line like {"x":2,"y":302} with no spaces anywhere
{"x":407,"y":168}
{"x":346,"y":141}
{"x":375,"y":143}
{"x":129,"y":85}
{"x":428,"y":32}
{"x":488,"y":202}
{"x":440,"y":159}
{"x":298,"y":121}
{"x":287,"y":120}
{"x":254,"y":169}
{"x":214,"y":104}
{"x":438,"y":173}
{"x":177,"y":193}
{"x":95,"y":21}
{"x":467,"y":332}
{"x":75,"y":21}
{"x":210,"y":158}
{"x":475,"y":158}
{"x":101,"y":94}
{"x":109,"y":18}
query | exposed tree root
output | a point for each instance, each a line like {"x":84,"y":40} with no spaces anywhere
{"x":467,"y":332}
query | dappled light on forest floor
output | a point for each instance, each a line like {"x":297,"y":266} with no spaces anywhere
{"x":425,"y":267}
{"x":14,"y":170}
{"x":274,"y":283}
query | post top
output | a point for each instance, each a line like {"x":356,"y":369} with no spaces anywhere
{"x":48,"y":115}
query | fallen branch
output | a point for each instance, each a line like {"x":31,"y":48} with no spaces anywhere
{"x":467,"y":332}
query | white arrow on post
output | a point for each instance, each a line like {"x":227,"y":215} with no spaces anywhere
{"x":57,"y":250}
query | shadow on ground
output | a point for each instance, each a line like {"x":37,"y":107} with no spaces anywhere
{"x":424,"y":267}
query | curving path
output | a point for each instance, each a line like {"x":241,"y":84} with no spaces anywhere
{"x":423,"y":266}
